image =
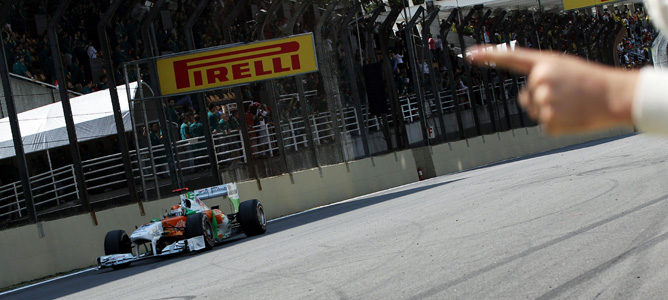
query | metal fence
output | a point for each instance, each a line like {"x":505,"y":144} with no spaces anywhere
{"x":57,"y":188}
{"x":333,"y":125}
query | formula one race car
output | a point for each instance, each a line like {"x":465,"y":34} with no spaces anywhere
{"x":188,"y":226}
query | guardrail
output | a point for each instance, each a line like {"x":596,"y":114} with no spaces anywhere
{"x":410,"y":107}
{"x":42,"y":83}
{"x":10,"y":197}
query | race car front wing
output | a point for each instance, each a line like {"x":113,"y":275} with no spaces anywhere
{"x":191,"y":244}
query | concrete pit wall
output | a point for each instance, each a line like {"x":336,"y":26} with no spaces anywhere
{"x":28,"y":95}
{"x":73,"y":242}
{"x":487,"y":149}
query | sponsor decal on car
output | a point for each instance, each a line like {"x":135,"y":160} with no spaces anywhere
{"x":219,"y":190}
{"x":202,"y":193}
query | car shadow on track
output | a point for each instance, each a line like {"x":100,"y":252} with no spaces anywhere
{"x":88,"y":280}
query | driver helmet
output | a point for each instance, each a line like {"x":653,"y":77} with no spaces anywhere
{"x":176,"y":211}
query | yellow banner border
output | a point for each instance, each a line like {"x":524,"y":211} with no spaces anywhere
{"x":154,"y":62}
{"x":589,"y":5}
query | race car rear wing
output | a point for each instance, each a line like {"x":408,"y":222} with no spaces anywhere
{"x":228,"y":191}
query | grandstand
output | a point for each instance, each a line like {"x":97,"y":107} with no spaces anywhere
{"x":380,"y":87}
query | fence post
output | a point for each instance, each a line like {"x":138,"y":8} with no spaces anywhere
{"x":292,"y":132}
{"x":516,"y":85}
{"x":315,"y":130}
{"x":489,"y":95}
{"x":55,"y":189}
{"x":77,"y":170}
{"x":452,"y":85}
{"x":76,"y":185}
{"x":269,"y":88}
{"x":16,"y":195}
{"x":499,"y":18}
{"x":289,"y":28}
{"x":243,"y":145}
{"x":397,"y":117}
{"x":467,"y":69}
{"x":358,"y":124}
{"x":329,"y":78}
{"x":434,"y":74}
{"x":150,"y":50}
{"x":215,"y":153}
{"x":53,"y":179}
{"x":230,"y":17}
{"x":148,"y":139}
{"x":202,"y":105}
{"x":350,"y":66}
{"x":306,"y":110}
{"x":270,"y":145}
{"x":113,"y":93}
{"x":14,"y":124}
{"x":412,"y":60}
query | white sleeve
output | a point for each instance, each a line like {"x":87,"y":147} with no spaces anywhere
{"x":650,"y":105}
{"x":658,"y":12}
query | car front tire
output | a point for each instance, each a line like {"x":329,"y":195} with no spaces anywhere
{"x":198,"y":224}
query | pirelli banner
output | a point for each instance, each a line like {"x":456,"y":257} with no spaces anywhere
{"x":574,"y":4}
{"x":230,"y":66}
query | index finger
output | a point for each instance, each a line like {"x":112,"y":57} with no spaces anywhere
{"x":519,"y":60}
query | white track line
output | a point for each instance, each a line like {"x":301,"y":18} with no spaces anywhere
{"x":46,"y":281}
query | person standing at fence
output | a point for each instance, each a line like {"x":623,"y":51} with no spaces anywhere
{"x":156,"y":138}
{"x":439,"y":48}
{"x":212,"y":115}
{"x":251,"y":111}
{"x":172,"y":114}
{"x":263,"y":136}
{"x":234,"y":121}
{"x":432,"y":46}
{"x":233,"y":125}
{"x":20,"y":68}
{"x":197,"y":128}
{"x":155,"y":134}
{"x":223,"y":124}
{"x":185,"y":126}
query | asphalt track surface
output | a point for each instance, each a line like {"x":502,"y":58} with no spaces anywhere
{"x":582,"y":222}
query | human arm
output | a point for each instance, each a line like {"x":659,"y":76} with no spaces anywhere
{"x":567,"y":94}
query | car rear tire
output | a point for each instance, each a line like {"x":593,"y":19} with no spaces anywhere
{"x":252,"y":218}
{"x":198,"y":224}
{"x":117,"y":242}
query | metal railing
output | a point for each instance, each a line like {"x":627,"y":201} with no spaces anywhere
{"x":11,"y":200}
{"x":56,"y":187}
{"x":410,"y":107}
{"x":35,"y":81}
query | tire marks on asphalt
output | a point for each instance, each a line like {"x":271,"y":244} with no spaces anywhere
{"x":442,"y":287}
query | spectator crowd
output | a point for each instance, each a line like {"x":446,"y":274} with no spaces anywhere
{"x":591,"y":36}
